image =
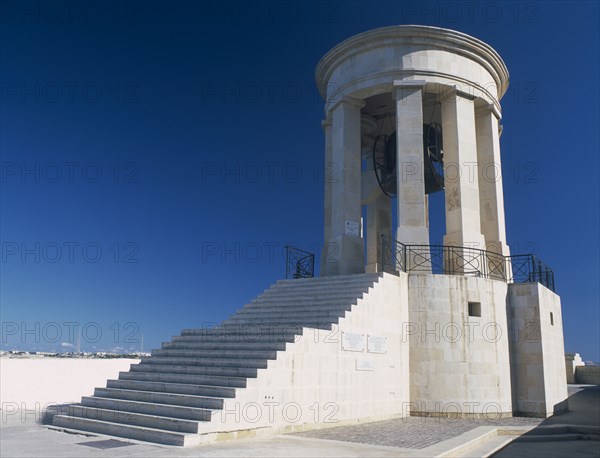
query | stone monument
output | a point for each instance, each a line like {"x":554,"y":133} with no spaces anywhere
{"x":395,"y":325}
{"x":393,"y":81}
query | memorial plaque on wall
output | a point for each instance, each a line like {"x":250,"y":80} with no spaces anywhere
{"x":353,"y":342}
{"x":376,"y":344}
{"x":364,"y":364}
{"x":352,"y":228}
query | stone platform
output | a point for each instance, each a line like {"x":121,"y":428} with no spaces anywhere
{"x":307,"y":353}
{"x":442,"y":437}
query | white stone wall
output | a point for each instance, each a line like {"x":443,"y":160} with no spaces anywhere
{"x":439,"y":360}
{"x":572,"y":361}
{"x":33,"y":384}
{"x":316,"y":384}
{"x":587,"y":375}
{"x":458,"y":363}
{"x":537,"y":350}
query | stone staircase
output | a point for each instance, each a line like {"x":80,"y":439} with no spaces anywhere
{"x":171,"y":395}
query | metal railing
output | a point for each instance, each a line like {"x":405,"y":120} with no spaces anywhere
{"x":453,"y":260}
{"x":299,"y":263}
{"x":528,"y":268}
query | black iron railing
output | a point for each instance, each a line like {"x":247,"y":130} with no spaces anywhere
{"x":299,"y":263}
{"x":453,"y":260}
{"x":528,"y":268}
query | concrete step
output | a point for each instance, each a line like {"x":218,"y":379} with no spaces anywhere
{"x":299,"y":288}
{"x":270,"y":317}
{"x":309,"y":296}
{"x":120,"y":430}
{"x":202,"y":402}
{"x":486,"y":448}
{"x":287,"y":310}
{"x":306,"y":297}
{"x":173,"y":369}
{"x":292,"y":311}
{"x":278,"y":330}
{"x":273,"y":346}
{"x":333,"y":280}
{"x":323,"y":325}
{"x":164,"y":398}
{"x":205,"y":362}
{"x":177,"y":388}
{"x":206,"y":380}
{"x":136,"y":419}
{"x":319,"y":322}
{"x":273,"y":331}
{"x":239,"y":337}
{"x":224,"y":354}
{"x":264,"y":332}
{"x":149,"y":408}
{"x":556,"y":437}
{"x":555,"y":430}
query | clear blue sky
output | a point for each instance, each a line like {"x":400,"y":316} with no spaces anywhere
{"x":157,"y":156}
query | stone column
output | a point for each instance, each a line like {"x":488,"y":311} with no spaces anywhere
{"x":379,"y":221}
{"x":412,"y":228}
{"x":463,"y":221}
{"x":343,"y":252}
{"x":412,"y":212}
{"x":327,"y":178}
{"x":491,"y":198}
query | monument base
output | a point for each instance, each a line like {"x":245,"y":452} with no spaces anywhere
{"x":331,"y":351}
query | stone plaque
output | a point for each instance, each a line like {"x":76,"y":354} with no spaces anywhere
{"x":364,"y":364}
{"x":352,"y":228}
{"x":376,"y":344}
{"x":353,"y":342}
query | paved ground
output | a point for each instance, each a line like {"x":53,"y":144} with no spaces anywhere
{"x":584,"y":405}
{"x":417,"y":433}
{"x":24,"y":437}
{"x":411,"y":432}
{"x":32,"y":440}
